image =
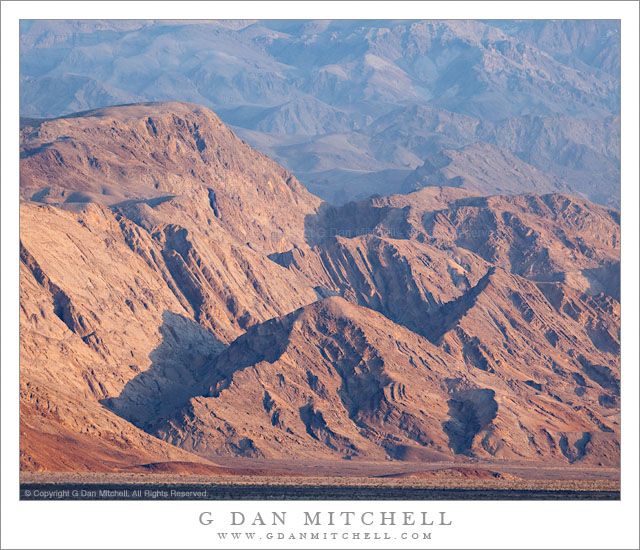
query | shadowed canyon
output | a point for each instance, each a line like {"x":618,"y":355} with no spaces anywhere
{"x":185,"y":299}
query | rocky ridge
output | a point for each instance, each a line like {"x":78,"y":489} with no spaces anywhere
{"x":193,"y":300}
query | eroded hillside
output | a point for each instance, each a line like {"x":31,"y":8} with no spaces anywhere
{"x":185,"y":298}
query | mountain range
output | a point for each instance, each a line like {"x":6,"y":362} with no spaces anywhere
{"x":185,"y":299}
{"x":356,"y":108}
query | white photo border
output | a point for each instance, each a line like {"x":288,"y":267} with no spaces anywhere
{"x":166,"y":524}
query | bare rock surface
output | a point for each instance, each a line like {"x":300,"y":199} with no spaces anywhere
{"x":185,"y":300}
{"x":137,"y":157}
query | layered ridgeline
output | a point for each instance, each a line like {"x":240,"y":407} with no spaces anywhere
{"x":353,"y":107}
{"x":184,"y":298}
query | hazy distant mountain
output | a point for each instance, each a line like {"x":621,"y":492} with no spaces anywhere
{"x":484,"y":169}
{"x":344,"y":104}
{"x":577,"y":43}
{"x":583,"y":154}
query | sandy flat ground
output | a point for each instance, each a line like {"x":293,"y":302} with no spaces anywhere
{"x":355,"y":473}
{"x":360,"y":468}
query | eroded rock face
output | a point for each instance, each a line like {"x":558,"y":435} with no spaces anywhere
{"x":335,"y":379}
{"x":145,"y":277}
{"x":172,"y":156}
{"x":183,"y":298}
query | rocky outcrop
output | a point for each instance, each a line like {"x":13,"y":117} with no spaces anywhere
{"x":183,"y":298}
{"x":127,"y":285}
{"x":174,"y":156}
{"x":335,"y":380}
